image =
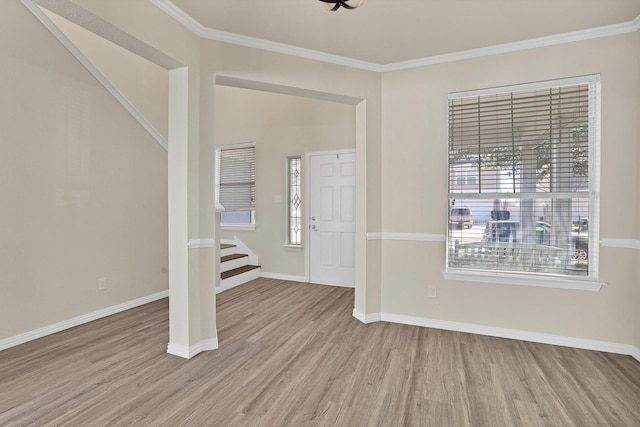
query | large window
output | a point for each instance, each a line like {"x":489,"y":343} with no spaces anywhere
{"x":236,"y":184}
{"x":523,"y":180}
{"x":294,"y":214}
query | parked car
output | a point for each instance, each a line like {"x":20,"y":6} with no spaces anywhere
{"x":581,"y":238}
{"x":581,"y":225}
{"x":582,"y":247}
{"x":507,"y":231}
{"x":461,"y":217}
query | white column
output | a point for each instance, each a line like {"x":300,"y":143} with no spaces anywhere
{"x":191,"y":296}
{"x":178,"y":209}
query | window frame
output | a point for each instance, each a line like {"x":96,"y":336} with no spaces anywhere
{"x":565,"y":281}
{"x":290,"y":205}
{"x":233,"y":225}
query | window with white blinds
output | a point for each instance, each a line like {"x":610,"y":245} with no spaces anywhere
{"x":236,"y":183}
{"x":523,"y":179}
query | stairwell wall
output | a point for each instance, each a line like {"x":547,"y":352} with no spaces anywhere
{"x":192,"y":295}
{"x":83,"y":187}
{"x":143,"y":83}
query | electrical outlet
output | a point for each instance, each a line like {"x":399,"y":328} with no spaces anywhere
{"x":432,"y":291}
{"x":102,"y":284}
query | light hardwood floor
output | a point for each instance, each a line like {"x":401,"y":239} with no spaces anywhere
{"x":291,"y":354}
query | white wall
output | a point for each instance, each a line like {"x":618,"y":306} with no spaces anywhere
{"x":414,"y":163}
{"x":83,"y":187}
{"x":281,"y":126}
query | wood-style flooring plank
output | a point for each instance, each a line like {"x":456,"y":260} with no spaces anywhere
{"x":291,"y":354}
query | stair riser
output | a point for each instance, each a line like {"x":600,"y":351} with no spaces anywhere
{"x":228,"y":251}
{"x":234,"y":263}
{"x":237,"y":280}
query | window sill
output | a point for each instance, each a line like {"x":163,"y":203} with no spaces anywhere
{"x":238,"y":227}
{"x":288,"y":245}
{"x":523,"y":280}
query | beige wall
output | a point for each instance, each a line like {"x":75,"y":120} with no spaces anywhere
{"x":83,"y":187}
{"x":401,"y":155}
{"x":192,"y":272}
{"x":281,"y":126}
{"x":304,"y":75}
{"x":143,"y":83}
{"x":206,"y":60}
{"x":414,"y":160}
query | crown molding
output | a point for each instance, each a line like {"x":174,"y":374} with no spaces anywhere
{"x":179,"y":15}
{"x":257,"y":43}
{"x":212,"y":34}
{"x":194,"y":26}
{"x":573,"y":36}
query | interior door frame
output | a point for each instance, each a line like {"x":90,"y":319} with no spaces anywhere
{"x":307,"y":200}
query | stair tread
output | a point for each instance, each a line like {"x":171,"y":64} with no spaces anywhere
{"x":236,"y":271}
{"x":227,"y":245}
{"x":232,"y":257}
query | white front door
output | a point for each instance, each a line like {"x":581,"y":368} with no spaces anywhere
{"x":331,"y":218}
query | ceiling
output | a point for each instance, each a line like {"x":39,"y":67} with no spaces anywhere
{"x":384,"y":32}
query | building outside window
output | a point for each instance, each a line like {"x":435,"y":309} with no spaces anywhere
{"x":466,"y":177}
{"x":524,"y":160}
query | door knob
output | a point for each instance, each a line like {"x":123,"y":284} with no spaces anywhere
{"x":313,"y":218}
{"x":313,"y":227}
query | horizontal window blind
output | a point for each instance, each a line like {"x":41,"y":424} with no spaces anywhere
{"x":520,"y":163}
{"x":524,"y":142}
{"x":237,"y":178}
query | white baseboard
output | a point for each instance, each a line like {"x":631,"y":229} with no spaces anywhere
{"x":79,"y":320}
{"x":367,"y":318}
{"x":189,"y":352}
{"x":228,"y":286}
{"x":287,"y":277}
{"x":301,"y":279}
{"x":339,"y":285}
{"x":609,"y":347}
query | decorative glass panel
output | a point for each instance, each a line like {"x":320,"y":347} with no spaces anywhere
{"x":295,"y":201}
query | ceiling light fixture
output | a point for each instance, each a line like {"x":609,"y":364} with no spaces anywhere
{"x":335,"y":4}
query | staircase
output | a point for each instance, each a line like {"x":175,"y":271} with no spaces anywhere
{"x":237,"y":265}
